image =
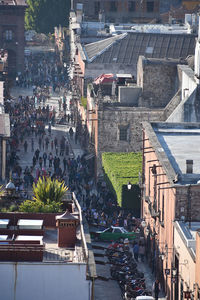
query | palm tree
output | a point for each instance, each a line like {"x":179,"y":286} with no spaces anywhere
{"x":47,"y":190}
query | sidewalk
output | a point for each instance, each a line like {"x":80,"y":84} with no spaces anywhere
{"x":149,"y":277}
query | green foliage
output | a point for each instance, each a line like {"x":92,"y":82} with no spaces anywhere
{"x":47,"y":189}
{"x":40,"y":207}
{"x":119,"y":168}
{"x":1,"y":190}
{"x":48,"y":196}
{"x":84,"y":102}
{"x":43,"y":15}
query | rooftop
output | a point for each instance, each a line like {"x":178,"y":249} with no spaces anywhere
{"x":188,"y":233}
{"x":13,"y":2}
{"x":36,"y":239}
{"x":127,"y":47}
{"x":174,"y":143}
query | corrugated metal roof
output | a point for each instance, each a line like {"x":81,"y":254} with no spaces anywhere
{"x":97,"y":48}
{"x":127,"y":47}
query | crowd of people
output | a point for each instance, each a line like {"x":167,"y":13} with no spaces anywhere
{"x":32,"y":119}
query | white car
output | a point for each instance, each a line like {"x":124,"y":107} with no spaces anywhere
{"x":144,"y":298}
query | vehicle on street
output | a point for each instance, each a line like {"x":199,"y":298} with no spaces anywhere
{"x":113,"y":233}
{"x":144,"y":298}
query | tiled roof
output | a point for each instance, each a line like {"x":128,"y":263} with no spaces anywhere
{"x":126,"y":48}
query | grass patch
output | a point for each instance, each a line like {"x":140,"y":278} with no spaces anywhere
{"x":119,"y":169}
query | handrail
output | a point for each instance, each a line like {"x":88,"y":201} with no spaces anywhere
{"x":81,"y":227}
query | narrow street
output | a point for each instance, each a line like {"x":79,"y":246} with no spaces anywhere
{"x":105,"y":287}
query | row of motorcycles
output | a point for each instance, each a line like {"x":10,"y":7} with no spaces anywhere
{"x":123,"y":269}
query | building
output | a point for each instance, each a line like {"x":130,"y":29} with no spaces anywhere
{"x":44,"y":256}
{"x":12,"y":33}
{"x":4,"y":135}
{"x":106,"y":56}
{"x":171,"y":189}
{"x":186,"y":255}
{"x":129,"y":11}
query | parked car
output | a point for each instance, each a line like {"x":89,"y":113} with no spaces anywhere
{"x":144,"y":298}
{"x":113,"y":233}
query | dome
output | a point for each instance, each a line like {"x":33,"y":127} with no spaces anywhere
{"x":10,"y":186}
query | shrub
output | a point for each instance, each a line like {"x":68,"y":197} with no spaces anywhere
{"x":46,"y":189}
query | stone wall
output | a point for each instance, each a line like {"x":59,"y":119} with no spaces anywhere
{"x":158,"y":80}
{"x":109,"y":120}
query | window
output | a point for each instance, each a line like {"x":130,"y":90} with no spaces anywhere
{"x":163,"y":207}
{"x":113,"y":6}
{"x":117,"y":230}
{"x":123,"y":133}
{"x":150,"y":6}
{"x":8,"y":35}
{"x":131,"y":5}
{"x":96,"y":7}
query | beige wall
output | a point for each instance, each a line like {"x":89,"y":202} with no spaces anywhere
{"x":186,"y":262}
{"x":197,"y":273}
{"x":165,"y":204}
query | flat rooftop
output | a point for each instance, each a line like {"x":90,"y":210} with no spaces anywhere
{"x":180,"y":142}
{"x":188,"y":233}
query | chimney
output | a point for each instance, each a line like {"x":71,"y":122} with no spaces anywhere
{"x":189,"y":166}
{"x":67,"y":224}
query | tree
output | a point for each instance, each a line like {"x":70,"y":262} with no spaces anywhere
{"x":48,"y":195}
{"x":43,"y":15}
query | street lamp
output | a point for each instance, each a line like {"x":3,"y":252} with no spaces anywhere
{"x":174,"y":272}
{"x":129,"y":186}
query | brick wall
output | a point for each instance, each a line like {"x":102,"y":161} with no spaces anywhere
{"x":109,"y":120}
{"x":122,"y":13}
{"x":12,"y":18}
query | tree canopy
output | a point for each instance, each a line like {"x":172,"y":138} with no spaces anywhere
{"x":43,"y":15}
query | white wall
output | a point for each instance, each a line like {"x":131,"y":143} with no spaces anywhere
{"x":43,"y":281}
{"x":188,"y":82}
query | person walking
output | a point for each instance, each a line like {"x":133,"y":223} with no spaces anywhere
{"x":50,"y":158}
{"x":141,"y":251}
{"x":156,"y":289}
{"x":37,"y":153}
{"x":44,"y":158}
{"x":40,"y":161}
{"x":25,"y":146}
{"x":32,"y":144}
{"x":136,"y":251}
